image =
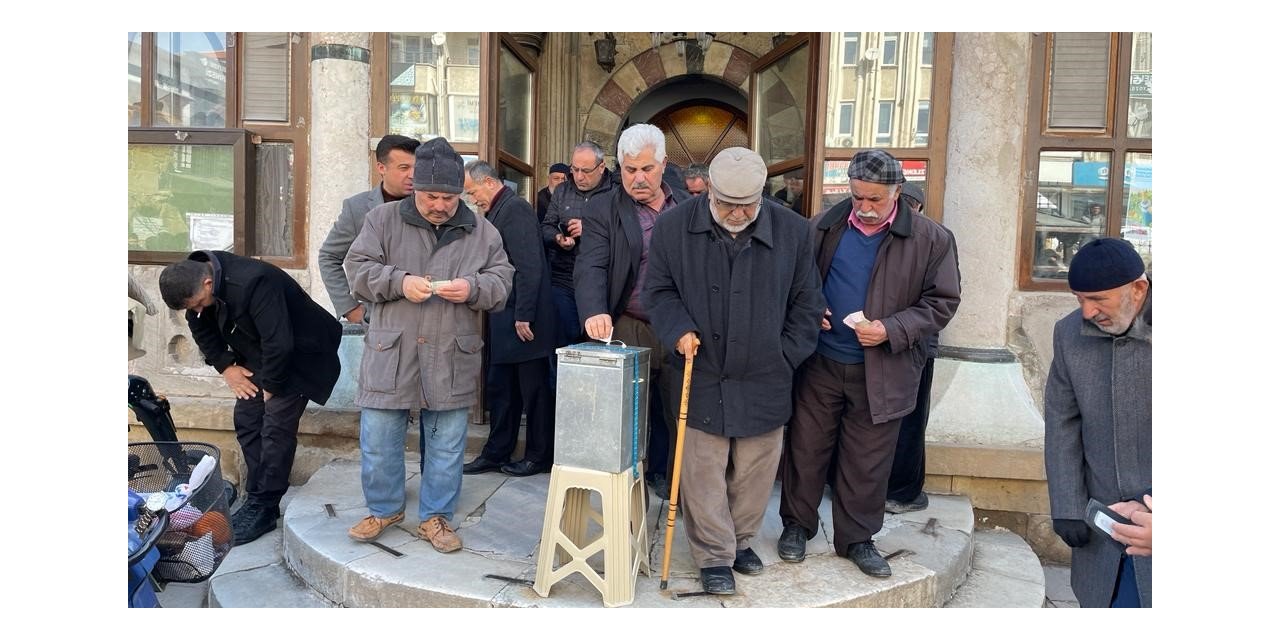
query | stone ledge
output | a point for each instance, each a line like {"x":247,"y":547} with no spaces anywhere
{"x":984,"y":461}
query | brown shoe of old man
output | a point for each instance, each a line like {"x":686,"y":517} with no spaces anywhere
{"x":437,"y":531}
{"x":368,"y":529}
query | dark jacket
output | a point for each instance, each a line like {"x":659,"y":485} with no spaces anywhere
{"x":1097,"y":439}
{"x":530,"y":299}
{"x":914,"y":291}
{"x":611,"y":244}
{"x":567,"y":203}
{"x":334,"y":250}
{"x":264,"y":321}
{"x":757,"y":321}
{"x":544,"y":200}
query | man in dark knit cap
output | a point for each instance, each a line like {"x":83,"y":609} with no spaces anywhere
{"x":426,"y":267}
{"x":1097,"y":418}
{"x":890,"y":280}
{"x":556,"y":176}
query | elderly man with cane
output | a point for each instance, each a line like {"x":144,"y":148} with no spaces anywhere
{"x":735,"y":274}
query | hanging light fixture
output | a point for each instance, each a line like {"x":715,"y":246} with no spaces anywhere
{"x":606,"y":50}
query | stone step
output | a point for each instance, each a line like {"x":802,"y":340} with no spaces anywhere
{"x":500,"y":518}
{"x":254,"y":575}
{"x":1005,"y":574}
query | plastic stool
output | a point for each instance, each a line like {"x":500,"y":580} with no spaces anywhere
{"x":624,"y":539}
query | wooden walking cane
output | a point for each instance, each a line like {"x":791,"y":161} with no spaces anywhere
{"x":675,"y":474}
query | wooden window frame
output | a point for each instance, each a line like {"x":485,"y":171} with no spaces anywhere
{"x":1113,"y":138}
{"x":294,"y":131}
{"x":242,"y":168}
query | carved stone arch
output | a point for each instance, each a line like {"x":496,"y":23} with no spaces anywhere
{"x":651,"y":68}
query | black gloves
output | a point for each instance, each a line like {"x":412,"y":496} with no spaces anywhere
{"x":1073,"y":532}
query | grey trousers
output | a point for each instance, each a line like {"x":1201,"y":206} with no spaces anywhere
{"x":723,"y":506}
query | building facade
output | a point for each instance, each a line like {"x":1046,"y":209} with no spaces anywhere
{"x":250,"y":142}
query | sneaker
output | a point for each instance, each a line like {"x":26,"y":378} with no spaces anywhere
{"x":371,"y":527}
{"x":253,"y":520}
{"x":437,"y":531}
{"x":920,"y":503}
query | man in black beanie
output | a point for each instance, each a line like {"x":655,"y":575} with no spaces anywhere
{"x":426,"y":266}
{"x":1097,"y":418}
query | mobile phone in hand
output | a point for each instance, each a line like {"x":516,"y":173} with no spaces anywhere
{"x":1102,"y":518}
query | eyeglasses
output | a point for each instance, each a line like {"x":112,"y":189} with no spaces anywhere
{"x":585,"y":171}
{"x":726,"y":208}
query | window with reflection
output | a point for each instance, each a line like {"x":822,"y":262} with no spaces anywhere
{"x":181,"y":197}
{"x":190,"y":87}
{"x":1087,"y":186}
{"x":1070,"y":207}
{"x":434,"y":85}
{"x":879,"y":96}
{"x":780,"y":90}
{"x":515,"y":107}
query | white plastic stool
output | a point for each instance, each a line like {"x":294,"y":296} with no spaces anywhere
{"x":624,"y":539}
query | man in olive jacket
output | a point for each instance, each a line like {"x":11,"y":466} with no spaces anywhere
{"x":899,"y":269}
{"x":275,"y":347}
{"x":427,"y":266}
{"x":1097,"y":418}
{"x":735,"y":273}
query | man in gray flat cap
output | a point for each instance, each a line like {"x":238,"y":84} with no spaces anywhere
{"x":898,"y":269}
{"x":734,"y":273}
{"x":1097,"y":419}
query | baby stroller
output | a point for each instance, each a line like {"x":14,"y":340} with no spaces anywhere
{"x":179,"y":520}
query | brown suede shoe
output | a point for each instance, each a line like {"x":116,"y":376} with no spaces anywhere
{"x":371,"y":527}
{"x":437,"y":531}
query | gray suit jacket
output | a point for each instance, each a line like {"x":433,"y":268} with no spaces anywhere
{"x":1097,"y":440}
{"x":336,"y":244}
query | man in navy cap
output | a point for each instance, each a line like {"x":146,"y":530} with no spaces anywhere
{"x":556,"y":175}
{"x":890,"y":280}
{"x":1097,"y":418}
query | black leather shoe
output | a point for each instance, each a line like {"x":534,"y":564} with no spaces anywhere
{"x":747,"y":562}
{"x":792,"y":543}
{"x":920,"y":503}
{"x":253,"y":520}
{"x":864,"y":555}
{"x":718,"y":581}
{"x":524,"y":468}
{"x":480,"y":465}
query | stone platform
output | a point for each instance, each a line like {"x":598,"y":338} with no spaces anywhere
{"x":499,"y":519}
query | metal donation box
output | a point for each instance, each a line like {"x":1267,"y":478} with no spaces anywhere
{"x":602,"y":406}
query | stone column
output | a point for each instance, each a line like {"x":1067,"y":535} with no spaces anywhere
{"x":340,"y":143}
{"x":984,"y":192}
{"x":980,"y":397}
{"x":557,"y":101}
{"x":340,"y":146}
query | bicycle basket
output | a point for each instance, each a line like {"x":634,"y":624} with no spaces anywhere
{"x":198,"y":535}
